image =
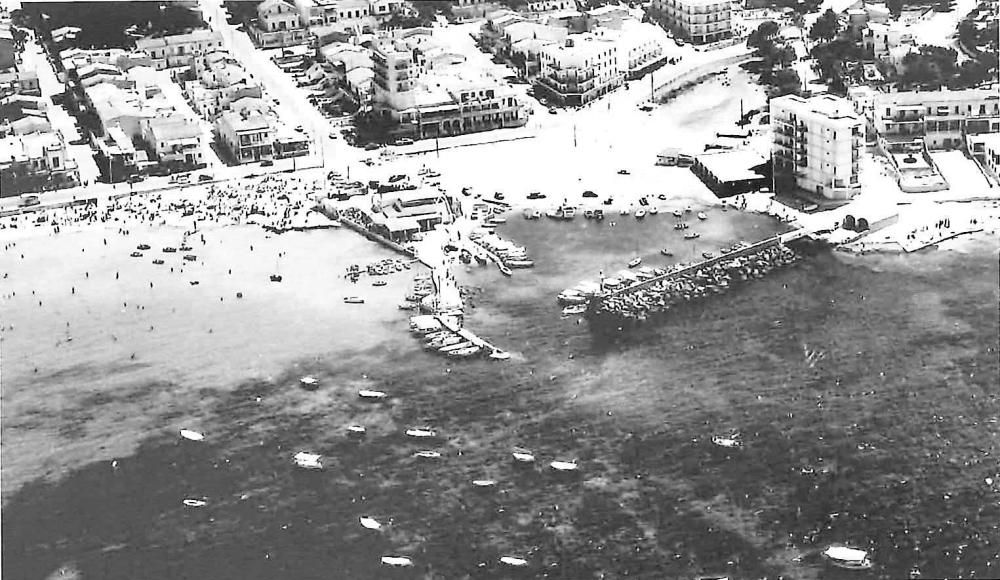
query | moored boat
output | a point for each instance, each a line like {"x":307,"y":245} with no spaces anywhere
{"x":370,"y":523}
{"x":191,"y":435}
{"x":513,"y":561}
{"x":564,"y":465}
{"x":309,"y":461}
{"x":574,"y":309}
{"x":397,"y":561}
{"x":484,"y":483}
{"x":522,"y":456}
{"x":640,"y":213}
{"x":427,"y":455}
{"x":499,"y":355}
{"x":691,"y":235}
{"x":420,"y":433}
{"x":666,"y":252}
{"x":371,"y":395}
{"x":354,"y":300}
{"x":634,"y":262}
{"x":309,"y":383}
{"x":702,"y":216}
{"x":847,"y":558}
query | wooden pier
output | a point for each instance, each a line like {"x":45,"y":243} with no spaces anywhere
{"x":466,"y":334}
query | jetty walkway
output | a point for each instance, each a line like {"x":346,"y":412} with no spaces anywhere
{"x":449,"y":323}
{"x":780,"y":239}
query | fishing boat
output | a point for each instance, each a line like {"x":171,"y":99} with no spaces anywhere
{"x":142,"y":247}
{"x":397,"y":561}
{"x":574,"y":309}
{"x":353,"y":300}
{"x":522,"y":456}
{"x":520,"y":263}
{"x":276,"y":277}
{"x":309,"y":383}
{"x":571,"y":296}
{"x":457,"y":346}
{"x":513,"y":561}
{"x":505,"y":270}
{"x":666,"y":252}
{"x":371,"y":395}
{"x":729,"y":442}
{"x":465,"y":352}
{"x":191,"y":435}
{"x":444,"y":341}
{"x":634,"y":262}
{"x":370,"y":523}
{"x":427,"y":455}
{"x":564,"y":465}
{"x":847,"y":558}
{"x":191,"y":502}
{"x":420,"y":433}
{"x":499,"y":355}
{"x":158,"y":262}
{"x":691,"y":235}
{"x":702,"y":216}
{"x":640,"y":213}
{"x":654,"y":210}
{"x":356,"y":430}
{"x":678,"y":213}
{"x":379,"y":283}
{"x":309,"y":461}
{"x":707,"y":255}
{"x":484,"y":483}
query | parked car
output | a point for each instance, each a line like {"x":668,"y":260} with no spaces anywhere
{"x":589,"y":193}
{"x":404,"y":141}
{"x":266,"y":163}
{"x":553,"y":110}
{"x":371,"y":146}
{"x":205,"y":177}
{"x":536,"y":195}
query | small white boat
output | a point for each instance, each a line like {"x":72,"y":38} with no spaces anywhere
{"x":420,"y":433}
{"x":190,"y":502}
{"x":370,"y":523}
{"x":523,"y":456}
{"x":640,"y":213}
{"x":634,"y":262}
{"x":465,"y":352}
{"x":191,"y":435}
{"x":678,"y":213}
{"x":354,"y":300}
{"x":374,"y":395}
{"x":427,"y":454}
{"x":500,"y":355}
{"x":564,"y":465}
{"x":308,"y":460}
{"x":702,"y":216}
{"x":456,"y":346}
{"x":654,"y":210}
{"x":848,"y":558}
{"x":691,"y":235}
{"x":356,"y":430}
{"x":513,"y":561}
{"x":484,"y":482}
{"x":624,"y":211}
{"x":574,"y":309}
{"x":309,"y":382}
{"x":505,"y":270}
{"x":397,"y":561}
{"x":726,"y":441}
{"x":666,"y":252}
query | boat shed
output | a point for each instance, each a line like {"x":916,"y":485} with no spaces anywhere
{"x":731,"y":172}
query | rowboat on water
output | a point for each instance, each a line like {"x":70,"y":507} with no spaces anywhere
{"x":574,"y":309}
{"x":373,"y":395}
{"x":564,"y":465}
{"x":513,"y":561}
{"x":191,"y":435}
{"x":191,"y":502}
{"x":523,"y":456}
{"x":848,"y":558}
{"x":356,"y":430}
{"x":370,"y":523}
{"x":634,"y":262}
{"x":484,"y":482}
{"x":354,"y":300}
{"x":308,"y":460}
{"x":309,"y":382}
{"x":420,"y":432}
{"x":397,"y":561}
{"x":427,"y":454}
{"x":499,"y":355}
{"x":726,"y":441}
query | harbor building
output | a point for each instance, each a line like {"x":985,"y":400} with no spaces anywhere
{"x":730,"y":172}
{"x":700,"y":21}
{"x":817,"y":145}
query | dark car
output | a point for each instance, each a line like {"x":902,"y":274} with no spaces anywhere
{"x":623,"y":172}
{"x":536,"y":195}
{"x":589,"y":194}
{"x":371,"y":146}
{"x":205,"y":177}
{"x":553,"y":110}
{"x":266,"y":163}
{"x":609,"y":201}
{"x":643,"y":201}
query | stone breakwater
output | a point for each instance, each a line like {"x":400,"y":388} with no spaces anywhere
{"x":620,"y":311}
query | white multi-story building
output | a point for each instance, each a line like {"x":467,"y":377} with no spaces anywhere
{"x":173,"y":139}
{"x":248,"y":136}
{"x":581,"y":69}
{"x":940,"y":119}
{"x":177,"y":50}
{"x":278,"y":24}
{"x":817,"y":145}
{"x":445,"y":101}
{"x":700,"y":21}
{"x":882,"y":39}
{"x":985,"y":148}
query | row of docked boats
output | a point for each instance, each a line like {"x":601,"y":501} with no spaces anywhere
{"x":505,"y":252}
{"x":450,"y":340}
{"x":421,"y":288}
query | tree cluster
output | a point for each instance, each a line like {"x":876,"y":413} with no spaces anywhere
{"x":935,"y":67}
{"x":833,"y":59}
{"x":775,"y":60}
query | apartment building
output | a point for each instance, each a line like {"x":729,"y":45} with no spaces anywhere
{"x":580,"y":70}
{"x":315,"y":13}
{"x":278,"y":24}
{"x":19,"y":83}
{"x":444,"y":101}
{"x":985,"y":148}
{"x":817,"y":145}
{"x":700,"y":21}
{"x":177,"y":49}
{"x":247,"y":136}
{"x":938,"y":119}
